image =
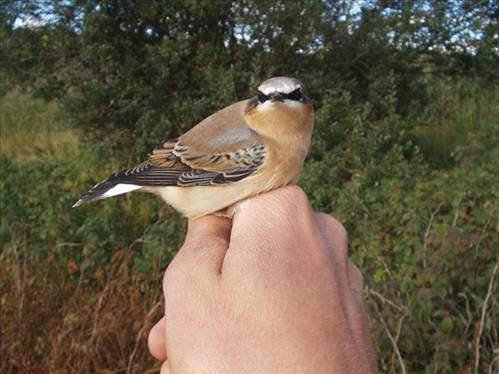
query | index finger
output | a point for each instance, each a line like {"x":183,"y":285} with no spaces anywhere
{"x":204,"y":248}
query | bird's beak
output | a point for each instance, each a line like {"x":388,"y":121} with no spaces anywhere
{"x":276,"y":96}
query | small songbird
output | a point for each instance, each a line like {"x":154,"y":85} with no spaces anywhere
{"x":247,"y":148}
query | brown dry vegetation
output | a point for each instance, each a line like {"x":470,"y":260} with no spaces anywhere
{"x":57,"y":319}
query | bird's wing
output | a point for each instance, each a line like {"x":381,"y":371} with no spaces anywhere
{"x":220,"y":149}
{"x":225,"y":157}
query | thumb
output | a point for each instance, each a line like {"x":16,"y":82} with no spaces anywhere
{"x":206,"y":243}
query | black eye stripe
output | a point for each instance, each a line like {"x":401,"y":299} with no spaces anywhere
{"x":296,"y":95}
{"x":262,"y":97}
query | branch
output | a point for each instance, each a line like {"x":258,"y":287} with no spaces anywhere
{"x":427,"y":233}
{"x":392,"y":339}
{"x":149,"y":315}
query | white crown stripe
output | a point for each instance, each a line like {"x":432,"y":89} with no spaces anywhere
{"x":283,"y":85}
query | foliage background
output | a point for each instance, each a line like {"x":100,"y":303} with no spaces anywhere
{"x":405,"y":154}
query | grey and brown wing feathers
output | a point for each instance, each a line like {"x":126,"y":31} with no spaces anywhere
{"x":215,"y":152}
{"x":194,"y":166}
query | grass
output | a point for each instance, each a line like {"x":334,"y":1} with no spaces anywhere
{"x":459,"y":112}
{"x":30,"y":128}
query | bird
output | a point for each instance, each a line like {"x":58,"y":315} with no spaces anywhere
{"x":247,"y":148}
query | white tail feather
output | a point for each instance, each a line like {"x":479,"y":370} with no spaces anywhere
{"x":116,"y":190}
{"x":120,"y":189}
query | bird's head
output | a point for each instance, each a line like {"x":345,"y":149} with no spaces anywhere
{"x":280,"y":102}
{"x":289,"y":91}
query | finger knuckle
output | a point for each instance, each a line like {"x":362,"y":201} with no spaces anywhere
{"x":296,"y":195}
{"x":336,"y":228}
{"x":356,"y":276}
{"x":174,"y":281}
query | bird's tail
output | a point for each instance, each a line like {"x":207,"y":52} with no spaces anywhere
{"x":104,"y":190}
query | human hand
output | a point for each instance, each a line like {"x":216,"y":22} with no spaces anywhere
{"x":273,"y":292}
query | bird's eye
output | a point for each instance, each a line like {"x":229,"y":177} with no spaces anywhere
{"x":262,"y":97}
{"x":296,"y":95}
